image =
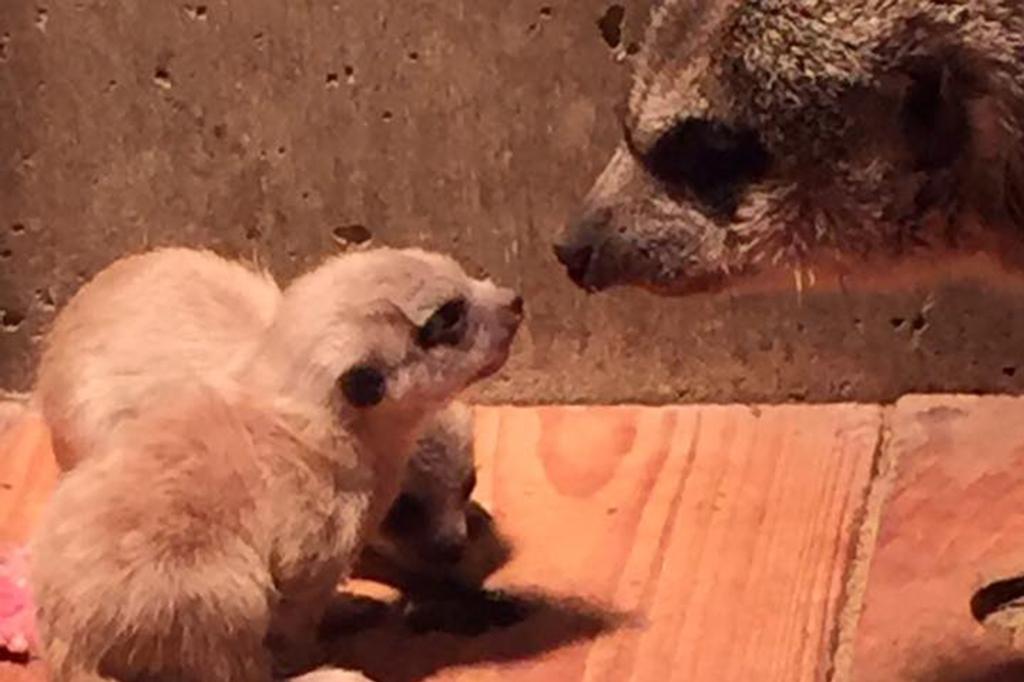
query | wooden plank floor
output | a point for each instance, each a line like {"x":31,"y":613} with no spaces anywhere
{"x":953,"y":523}
{"x":697,"y":543}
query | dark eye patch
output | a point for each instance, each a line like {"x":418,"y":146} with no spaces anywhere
{"x":407,"y":515}
{"x":445,"y":327}
{"x":711,"y":159}
{"x":363,"y":386}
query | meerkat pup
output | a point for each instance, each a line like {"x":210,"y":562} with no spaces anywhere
{"x":112,"y":352}
{"x":434,"y":538}
{"x":207,"y":541}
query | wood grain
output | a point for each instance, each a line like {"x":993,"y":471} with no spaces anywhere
{"x":723,"y":533}
{"x":954,"y":521}
{"x":695,"y":543}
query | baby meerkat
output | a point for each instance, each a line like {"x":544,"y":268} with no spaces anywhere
{"x":435,"y":539}
{"x":207,"y":541}
{"x":112,"y":352}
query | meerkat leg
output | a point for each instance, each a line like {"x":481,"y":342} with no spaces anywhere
{"x":293,"y":635}
{"x":171,"y":620}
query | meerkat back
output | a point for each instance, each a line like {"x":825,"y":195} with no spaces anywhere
{"x":150,"y":320}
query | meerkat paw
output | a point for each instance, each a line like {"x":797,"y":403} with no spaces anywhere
{"x":17,"y":615}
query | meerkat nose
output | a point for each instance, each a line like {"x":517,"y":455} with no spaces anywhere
{"x":576,"y":259}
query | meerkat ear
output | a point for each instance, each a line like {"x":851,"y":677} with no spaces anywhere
{"x":363,"y":386}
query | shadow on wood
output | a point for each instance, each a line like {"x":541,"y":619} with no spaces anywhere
{"x":954,"y":671}
{"x":495,"y":627}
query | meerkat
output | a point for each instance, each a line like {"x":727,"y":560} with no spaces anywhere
{"x":787,"y":136}
{"x":434,"y":538}
{"x":205,"y":544}
{"x":111,"y":350}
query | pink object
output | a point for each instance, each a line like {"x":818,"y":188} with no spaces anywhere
{"x":17,"y":614}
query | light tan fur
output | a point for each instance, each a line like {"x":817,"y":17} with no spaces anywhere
{"x":148,"y":321}
{"x":156,"y":320}
{"x":206,"y":542}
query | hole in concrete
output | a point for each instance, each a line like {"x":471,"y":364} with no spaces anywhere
{"x":919,"y":323}
{"x":898,"y":323}
{"x":352,"y":234}
{"x":17,"y":228}
{"x":197,"y":12}
{"x":5,"y":254}
{"x":350,"y":74}
{"x":995,"y":597}
{"x":610,"y":25}
{"x":387,"y":116}
{"x":162,"y":78}
{"x":5,"y":47}
{"x":1010,"y":371}
{"x":282,"y":150}
{"x":42,"y":16}
{"x":220,"y":131}
{"x":332,"y":80}
{"x":46,"y":299}
{"x":413,"y":56}
{"x":546,"y":12}
{"x":252,"y":233}
{"x":632,"y":48}
{"x":11,"y":320}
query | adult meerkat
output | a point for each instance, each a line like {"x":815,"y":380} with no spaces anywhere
{"x":214,"y":531}
{"x":782,"y":134}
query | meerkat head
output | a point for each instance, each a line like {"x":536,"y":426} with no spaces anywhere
{"x":405,"y":328}
{"x":428,"y":521}
{"x":783,"y":134}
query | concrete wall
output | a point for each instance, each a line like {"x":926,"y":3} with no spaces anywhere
{"x":283,"y":130}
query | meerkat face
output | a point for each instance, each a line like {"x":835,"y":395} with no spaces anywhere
{"x":399,"y":327}
{"x":783,"y":134}
{"x":428,"y":523}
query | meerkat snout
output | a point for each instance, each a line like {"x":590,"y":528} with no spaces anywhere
{"x":582,"y":240}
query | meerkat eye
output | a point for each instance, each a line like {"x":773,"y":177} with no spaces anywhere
{"x":468,"y":486}
{"x":711,"y":159}
{"x":445,"y":327}
{"x":407,"y":515}
{"x":363,"y":386}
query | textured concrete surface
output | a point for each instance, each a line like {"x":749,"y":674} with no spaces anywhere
{"x":283,"y":131}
